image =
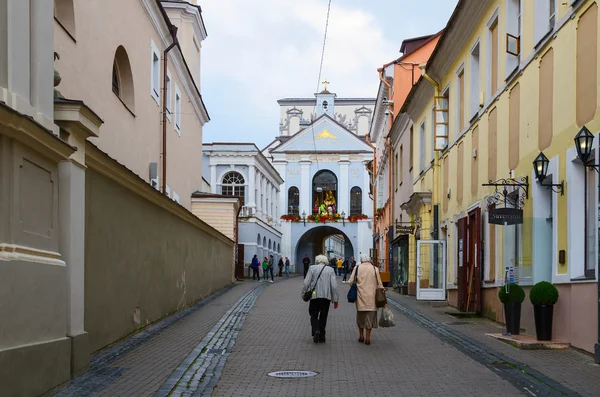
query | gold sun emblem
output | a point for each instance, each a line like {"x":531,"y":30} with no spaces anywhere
{"x":325,"y":134}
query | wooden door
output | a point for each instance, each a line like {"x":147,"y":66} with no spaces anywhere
{"x":462,"y":260}
{"x":474,"y":268}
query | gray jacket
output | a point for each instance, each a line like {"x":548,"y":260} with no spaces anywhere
{"x":326,"y":287}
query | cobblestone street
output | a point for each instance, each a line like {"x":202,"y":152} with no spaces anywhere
{"x":228,"y":344}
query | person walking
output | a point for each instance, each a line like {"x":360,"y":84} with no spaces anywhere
{"x":306,"y":263}
{"x":346,"y":268}
{"x":271,"y":266}
{"x":265,"y":266}
{"x":352,"y":264}
{"x":367,"y":281}
{"x":254,"y":266}
{"x":287,"y":266}
{"x":339,"y":264}
{"x":280,"y":265}
{"x":321,"y":279}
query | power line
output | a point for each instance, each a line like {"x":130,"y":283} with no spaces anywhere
{"x":319,"y":80}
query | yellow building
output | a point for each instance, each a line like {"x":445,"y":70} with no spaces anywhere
{"x":508,"y":79}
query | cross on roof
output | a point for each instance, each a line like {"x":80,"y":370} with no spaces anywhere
{"x":325,"y":84}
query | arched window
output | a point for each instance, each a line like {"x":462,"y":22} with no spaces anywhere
{"x":270,"y":245}
{"x":64,"y":13}
{"x":278,"y":248}
{"x":293,"y":201}
{"x":233,"y":185}
{"x":258,"y":239}
{"x":355,"y":201}
{"x":122,"y":78}
{"x":265,"y":242}
{"x":325,"y":190}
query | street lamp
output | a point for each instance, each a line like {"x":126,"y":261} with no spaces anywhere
{"x":540,"y":168}
{"x":583,"y":143}
{"x":304,"y":217}
{"x":343,"y":218}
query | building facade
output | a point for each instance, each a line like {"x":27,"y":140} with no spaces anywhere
{"x":121,"y":77}
{"x":326,"y":185}
{"x":240,"y":169}
{"x":507,"y":81}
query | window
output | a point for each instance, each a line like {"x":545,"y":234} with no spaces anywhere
{"x":441,"y":121}
{"x":64,"y":13}
{"x":355,"y":201}
{"x":122,"y":78}
{"x":422,"y":147}
{"x":400,"y":167}
{"x":432,"y":151}
{"x":325,"y":190}
{"x":513,"y":35}
{"x":396,"y":173}
{"x":544,"y":18}
{"x":475,"y":79}
{"x":380,"y":191}
{"x":155,"y":75}
{"x":177,"y":111}
{"x":169,"y":95}
{"x":115,"y":80}
{"x":233,"y":185}
{"x":411,"y":149}
{"x":492,"y":73}
{"x":591,"y":218}
{"x":293,"y":201}
{"x":460,"y":119}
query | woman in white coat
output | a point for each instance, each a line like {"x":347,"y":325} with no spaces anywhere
{"x":367,"y":281}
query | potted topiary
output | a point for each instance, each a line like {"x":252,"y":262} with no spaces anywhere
{"x":543,"y":296}
{"x":512,"y":295}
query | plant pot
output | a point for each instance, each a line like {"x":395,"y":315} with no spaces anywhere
{"x":512,"y":316}
{"x":543,"y":321}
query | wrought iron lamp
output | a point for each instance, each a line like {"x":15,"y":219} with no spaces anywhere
{"x":343,"y":217}
{"x":304,"y":217}
{"x":583,"y":143}
{"x":540,"y":167}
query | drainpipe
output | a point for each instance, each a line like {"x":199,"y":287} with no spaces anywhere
{"x":173,"y":30}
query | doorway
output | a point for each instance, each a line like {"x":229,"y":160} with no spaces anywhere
{"x":431,"y":270}
{"x":469,"y":262}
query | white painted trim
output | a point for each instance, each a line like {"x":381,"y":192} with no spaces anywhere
{"x":472,"y":207}
{"x":495,"y":18}
{"x":474,"y":107}
{"x":461,"y":69}
{"x":155,"y":85}
{"x":15,"y":252}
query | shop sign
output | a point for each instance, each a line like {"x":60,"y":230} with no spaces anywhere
{"x":405,"y":228}
{"x":505,"y":216}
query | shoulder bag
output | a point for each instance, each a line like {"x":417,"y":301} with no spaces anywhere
{"x":353,"y":292}
{"x":308,"y":294}
{"x":380,"y":298}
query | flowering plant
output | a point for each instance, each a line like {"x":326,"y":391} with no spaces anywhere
{"x":291,"y":217}
{"x":356,"y":218}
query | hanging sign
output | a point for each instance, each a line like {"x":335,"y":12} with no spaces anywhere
{"x":405,"y":228}
{"x":505,"y":216}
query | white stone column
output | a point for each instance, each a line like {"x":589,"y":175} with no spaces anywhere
{"x":305,"y":188}
{"x":343,"y":188}
{"x":281,"y":168}
{"x":213,"y":178}
{"x":251,"y":195}
{"x":42,"y":61}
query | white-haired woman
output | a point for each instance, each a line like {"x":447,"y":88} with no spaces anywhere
{"x":321,"y":279}
{"x":367,"y":281}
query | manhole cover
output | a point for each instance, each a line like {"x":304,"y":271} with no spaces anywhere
{"x":457,"y":323}
{"x":292,"y":374}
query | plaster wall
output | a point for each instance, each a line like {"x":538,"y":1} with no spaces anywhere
{"x":142,"y":261}
{"x":132,"y":136}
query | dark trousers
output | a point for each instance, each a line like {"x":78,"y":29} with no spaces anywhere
{"x":280,"y":271}
{"x":345,"y":274}
{"x":318,"y":309}
{"x":271,"y":271}
{"x":255,"y":274}
{"x":305,"y":270}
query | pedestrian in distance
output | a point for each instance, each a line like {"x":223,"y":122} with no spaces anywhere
{"x":323,"y":283}
{"x":265,"y":267}
{"x":367,"y":280}
{"x":255,"y":272}
{"x":306,"y":263}
{"x":280,"y":265}
{"x":287,"y":266}
{"x":339,"y":265}
{"x":346,"y":269}
{"x":352,"y":264}
{"x":271,"y":266}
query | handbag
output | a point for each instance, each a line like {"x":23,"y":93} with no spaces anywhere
{"x":353,"y":292}
{"x":387,"y":318}
{"x":308,"y":294}
{"x":380,"y":298}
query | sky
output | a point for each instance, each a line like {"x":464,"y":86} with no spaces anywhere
{"x":259,"y":51}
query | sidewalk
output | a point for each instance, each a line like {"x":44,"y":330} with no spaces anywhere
{"x":571,"y":368}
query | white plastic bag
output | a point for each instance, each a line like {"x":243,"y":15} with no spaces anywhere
{"x":387,"y":317}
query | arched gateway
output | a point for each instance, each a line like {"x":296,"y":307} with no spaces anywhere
{"x":312,"y":242}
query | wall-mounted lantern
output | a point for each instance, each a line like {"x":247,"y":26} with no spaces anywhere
{"x":540,"y":167}
{"x":304,"y":217}
{"x":343,"y":217}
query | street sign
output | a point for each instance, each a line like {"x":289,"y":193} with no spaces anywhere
{"x":505,"y":216}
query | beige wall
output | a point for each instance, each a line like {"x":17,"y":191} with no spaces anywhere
{"x":219,"y":214}
{"x":143,"y":259}
{"x":131,"y":136}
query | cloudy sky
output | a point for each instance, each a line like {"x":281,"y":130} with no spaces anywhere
{"x":259,"y":51}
